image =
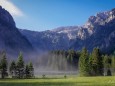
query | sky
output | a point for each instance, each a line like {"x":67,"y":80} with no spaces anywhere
{"x":40,"y":15}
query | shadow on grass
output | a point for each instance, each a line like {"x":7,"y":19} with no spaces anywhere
{"x":52,"y":84}
{"x":38,"y":84}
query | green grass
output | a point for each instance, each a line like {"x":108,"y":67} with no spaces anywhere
{"x":69,"y":81}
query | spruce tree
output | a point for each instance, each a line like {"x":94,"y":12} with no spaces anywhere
{"x":90,"y":65}
{"x":31,"y":69}
{"x":3,"y":65}
{"x":27,"y":71}
{"x":84,"y":63}
{"x":97,"y":62}
{"x":13,"y":69}
{"x":113,"y":64}
{"x":20,"y":66}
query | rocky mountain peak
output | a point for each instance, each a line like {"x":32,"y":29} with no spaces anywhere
{"x":112,"y":14}
{"x":6,"y":18}
{"x":113,"y":10}
{"x":101,"y":18}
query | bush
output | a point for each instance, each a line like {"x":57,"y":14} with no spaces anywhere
{"x":43,"y":76}
{"x":65,"y":76}
{"x":109,"y":72}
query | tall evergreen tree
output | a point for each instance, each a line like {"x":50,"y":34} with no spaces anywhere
{"x":13,"y":69}
{"x":97,"y":62}
{"x":3,"y":65}
{"x":84,"y":63}
{"x":113,"y":63}
{"x":90,"y":65}
{"x":20,"y":66}
{"x":107,"y":64}
{"x":27,"y":71}
{"x":31,"y":69}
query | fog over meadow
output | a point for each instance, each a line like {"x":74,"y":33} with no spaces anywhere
{"x":52,"y":64}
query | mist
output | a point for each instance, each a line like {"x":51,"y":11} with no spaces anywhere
{"x":47,"y":63}
{"x":52,"y":64}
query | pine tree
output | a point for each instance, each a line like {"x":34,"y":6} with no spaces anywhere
{"x":20,"y":66}
{"x":109,"y":72}
{"x":113,"y":64}
{"x":101,"y":65}
{"x":13,"y":69}
{"x":3,"y":65}
{"x":84,"y":63}
{"x":27,"y":71}
{"x":31,"y":69}
{"x":90,"y":65}
{"x":97,"y":62}
{"x":107,"y":64}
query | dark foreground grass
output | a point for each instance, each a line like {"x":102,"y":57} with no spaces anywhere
{"x":78,"y":81}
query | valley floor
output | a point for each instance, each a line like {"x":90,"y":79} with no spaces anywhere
{"x":69,"y":81}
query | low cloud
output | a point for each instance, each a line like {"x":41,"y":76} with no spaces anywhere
{"x":13,"y":9}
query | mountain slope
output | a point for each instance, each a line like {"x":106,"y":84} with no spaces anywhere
{"x":46,"y":40}
{"x":11,"y":39}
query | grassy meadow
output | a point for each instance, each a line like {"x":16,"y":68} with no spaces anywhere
{"x":68,"y":81}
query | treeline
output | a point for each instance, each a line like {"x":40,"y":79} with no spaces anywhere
{"x":89,"y":64}
{"x":63,"y":60}
{"x":16,"y":69}
{"x":96,"y":64}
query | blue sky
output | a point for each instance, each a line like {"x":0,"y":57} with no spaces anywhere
{"x":40,"y":15}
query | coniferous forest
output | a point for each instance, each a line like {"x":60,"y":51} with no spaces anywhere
{"x":93,"y":63}
{"x":15,"y":69}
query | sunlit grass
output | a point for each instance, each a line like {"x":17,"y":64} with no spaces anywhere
{"x":69,"y":81}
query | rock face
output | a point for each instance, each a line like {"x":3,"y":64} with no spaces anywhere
{"x":98,"y":31}
{"x":11,"y":39}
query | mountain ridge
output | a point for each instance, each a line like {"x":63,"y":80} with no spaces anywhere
{"x":76,"y":37}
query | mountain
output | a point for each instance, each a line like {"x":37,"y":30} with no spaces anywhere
{"x":98,"y":31}
{"x":11,"y":39}
{"x":102,"y":32}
